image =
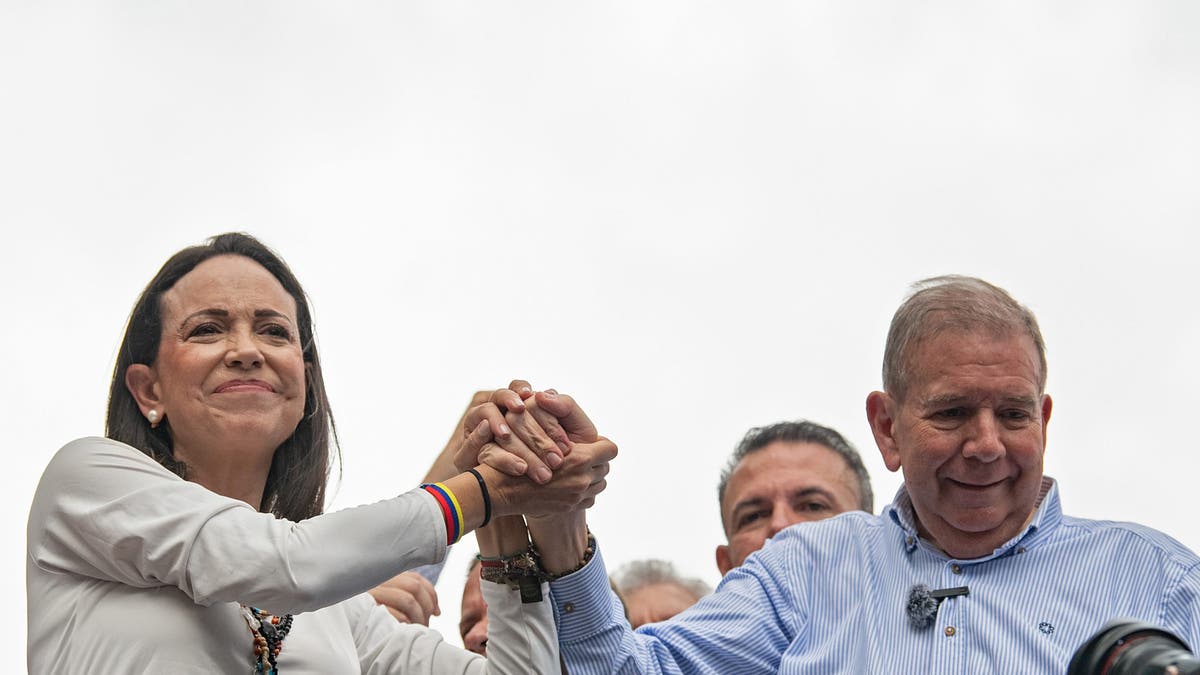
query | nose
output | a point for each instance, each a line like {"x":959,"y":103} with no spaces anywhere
{"x":782,"y":516}
{"x":243,"y":350}
{"x":476,"y":639}
{"x":984,"y":442}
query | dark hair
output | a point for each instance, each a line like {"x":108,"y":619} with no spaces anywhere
{"x":300,"y":468}
{"x":801,"y":431}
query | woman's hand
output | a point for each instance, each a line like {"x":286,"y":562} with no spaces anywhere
{"x":520,"y":432}
{"x":573,"y":487}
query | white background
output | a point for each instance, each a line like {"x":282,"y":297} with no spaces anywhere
{"x":695,"y":216}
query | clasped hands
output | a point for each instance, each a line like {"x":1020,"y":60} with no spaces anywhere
{"x":549,"y":457}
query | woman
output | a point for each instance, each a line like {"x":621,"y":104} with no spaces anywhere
{"x":191,"y":538}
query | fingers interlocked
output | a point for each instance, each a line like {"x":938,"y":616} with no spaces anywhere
{"x":544,"y":436}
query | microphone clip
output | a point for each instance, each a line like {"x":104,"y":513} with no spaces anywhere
{"x":922,"y":605}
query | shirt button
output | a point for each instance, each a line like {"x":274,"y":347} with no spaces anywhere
{"x":956,"y":569}
{"x":1021,"y":549}
{"x":950,"y":631}
{"x":568,"y":607}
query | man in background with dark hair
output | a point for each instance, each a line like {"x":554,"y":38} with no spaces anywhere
{"x":783,"y":474}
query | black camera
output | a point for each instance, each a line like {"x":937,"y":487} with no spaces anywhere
{"x":1125,"y":647}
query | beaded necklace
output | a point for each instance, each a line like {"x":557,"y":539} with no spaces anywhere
{"x":268,"y":631}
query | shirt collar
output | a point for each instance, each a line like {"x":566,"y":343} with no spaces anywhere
{"x":1046,"y":517}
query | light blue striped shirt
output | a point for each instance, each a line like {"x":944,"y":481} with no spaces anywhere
{"x":830,"y":597}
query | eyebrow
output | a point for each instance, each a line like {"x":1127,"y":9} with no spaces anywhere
{"x":224,"y":313}
{"x":951,"y":399}
{"x":798,"y":494}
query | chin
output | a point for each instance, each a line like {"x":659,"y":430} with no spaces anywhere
{"x":982,"y":522}
{"x":257,"y":433}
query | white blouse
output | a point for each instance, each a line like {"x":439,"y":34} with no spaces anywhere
{"x":132,"y":569}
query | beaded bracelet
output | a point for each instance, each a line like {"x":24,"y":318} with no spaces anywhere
{"x":588,"y":552}
{"x":451,"y":511}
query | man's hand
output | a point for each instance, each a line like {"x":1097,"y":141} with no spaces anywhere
{"x":409,"y":597}
{"x":519,"y":445}
{"x":557,"y":413}
{"x":522,"y":432}
{"x":573,"y":487}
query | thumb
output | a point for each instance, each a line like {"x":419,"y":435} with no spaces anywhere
{"x":574,"y":421}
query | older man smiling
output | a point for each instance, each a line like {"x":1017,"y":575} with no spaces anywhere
{"x":963,"y":414}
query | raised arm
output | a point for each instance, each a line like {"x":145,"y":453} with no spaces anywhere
{"x":410,"y":596}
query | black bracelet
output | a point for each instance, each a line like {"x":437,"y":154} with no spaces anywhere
{"x":487,"y":499}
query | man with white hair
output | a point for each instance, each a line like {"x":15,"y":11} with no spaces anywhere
{"x":653,"y":590}
{"x":1017,"y":586}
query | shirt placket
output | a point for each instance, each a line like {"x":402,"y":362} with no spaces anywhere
{"x":952,"y":628}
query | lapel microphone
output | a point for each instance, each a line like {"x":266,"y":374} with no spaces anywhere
{"x":923,"y":603}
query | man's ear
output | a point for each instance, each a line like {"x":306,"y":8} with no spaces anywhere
{"x":1047,"y":406}
{"x":881,"y":414}
{"x":723,"y":561}
{"x":142,"y":383}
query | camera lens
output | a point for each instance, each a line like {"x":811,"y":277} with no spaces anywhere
{"x":1132,"y":648}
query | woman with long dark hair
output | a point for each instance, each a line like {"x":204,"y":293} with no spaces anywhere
{"x":191,"y":538}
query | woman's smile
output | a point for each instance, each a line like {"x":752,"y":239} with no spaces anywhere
{"x":244,"y":386}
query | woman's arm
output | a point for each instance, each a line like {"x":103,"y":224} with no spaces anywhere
{"x":410,"y":596}
{"x":106,"y":511}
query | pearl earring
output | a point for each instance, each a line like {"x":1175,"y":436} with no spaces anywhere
{"x":152,"y":415}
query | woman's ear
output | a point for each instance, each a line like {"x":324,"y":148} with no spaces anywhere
{"x":142,"y":383}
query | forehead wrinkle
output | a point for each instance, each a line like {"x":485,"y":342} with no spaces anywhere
{"x":808,"y":458}
{"x":271,"y":314}
{"x":248,"y":283}
{"x":749,"y":501}
{"x":813,"y":490}
{"x":211,"y":311}
{"x":805,"y":491}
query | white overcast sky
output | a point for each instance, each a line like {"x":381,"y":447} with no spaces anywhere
{"x":695,"y":216}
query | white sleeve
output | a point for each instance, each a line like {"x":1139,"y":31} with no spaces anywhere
{"x":521,"y":636}
{"x":107,"y":511}
{"x":521,"y":639}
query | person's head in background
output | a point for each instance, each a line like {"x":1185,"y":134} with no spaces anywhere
{"x":652,"y":590}
{"x":782,"y":474}
{"x":473,"y":619}
{"x":472,"y":623}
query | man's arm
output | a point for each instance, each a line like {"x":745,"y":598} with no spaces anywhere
{"x":744,"y":627}
{"x":728,"y":631}
{"x":443,"y":465}
{"x":410,"y":596}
